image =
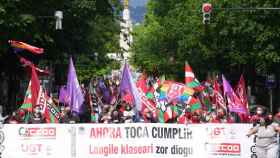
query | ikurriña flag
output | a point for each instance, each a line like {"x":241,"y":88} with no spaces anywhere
{"x":190,"y":79}
{"x":74,"y":91}
{"x":19,"y":46}
{"x":31,"y":94}
{"x":27,"y":103}
{"x":189,"y":75}
{"x":194,"y":103}
{"x":234,"y":103}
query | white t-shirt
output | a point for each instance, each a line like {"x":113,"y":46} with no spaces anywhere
{"x":266,"y":136}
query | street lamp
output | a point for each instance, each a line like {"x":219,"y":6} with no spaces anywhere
{"x":95,"y":56}
{"x":58,"y":19}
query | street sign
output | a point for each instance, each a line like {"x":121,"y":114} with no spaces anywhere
{"x":270,"y":81}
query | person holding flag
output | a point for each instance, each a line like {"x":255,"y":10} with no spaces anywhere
{"x":74,"y":91}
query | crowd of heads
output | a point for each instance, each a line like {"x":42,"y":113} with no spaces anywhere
{"x":103,"y":104}
{"x":264,"y":118}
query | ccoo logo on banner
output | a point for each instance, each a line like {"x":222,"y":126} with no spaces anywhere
{"x":37,"y":132}
{"x":223,"y":149}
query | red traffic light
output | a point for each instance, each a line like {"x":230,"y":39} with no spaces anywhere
{"x":207,"y":8}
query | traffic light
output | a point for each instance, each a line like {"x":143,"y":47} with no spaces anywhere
{"x":206,"y":10}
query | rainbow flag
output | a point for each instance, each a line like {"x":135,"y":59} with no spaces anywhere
{"x":174,"y":91}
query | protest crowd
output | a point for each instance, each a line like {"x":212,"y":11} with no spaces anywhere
{"x":129,"y":96}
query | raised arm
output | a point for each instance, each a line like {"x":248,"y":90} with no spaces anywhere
{"x":252,"y":131}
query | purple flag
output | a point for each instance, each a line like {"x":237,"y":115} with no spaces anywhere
{"x":76,"y":97}
{"x":234,"y":103}
{"x":128,"y":88}
{"x":63,"y":97}
{"x":105,"y":91}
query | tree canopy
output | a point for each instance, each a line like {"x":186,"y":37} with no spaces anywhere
{"x":236,"y":41}
{"x":89,"y":28}
{"x":90,"y":31}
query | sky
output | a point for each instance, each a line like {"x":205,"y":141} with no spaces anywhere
{"x":138,"y":2}
{"x":137,"y":10}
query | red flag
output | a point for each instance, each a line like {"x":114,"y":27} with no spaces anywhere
{"x":142,"y":83}
{"x":241,"y":92}
{"x":25,"y":46}
{"x":143,"y":89}
{"x":26,"y":63}
{"x":218,"y":97}
{"x":41,"y":100}
{"x":35,"y":86}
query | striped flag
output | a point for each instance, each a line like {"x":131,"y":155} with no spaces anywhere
{"x":189,"y":75}
{"x":190,"y":79}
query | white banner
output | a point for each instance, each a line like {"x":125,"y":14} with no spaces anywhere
{"x":138,"y":140}
{"x":37,"y":141}
{"x":227,"y":140}
{"x":127,"y":141}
